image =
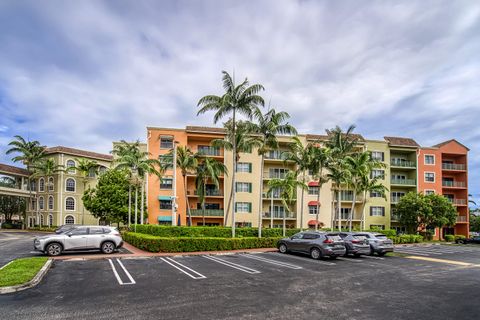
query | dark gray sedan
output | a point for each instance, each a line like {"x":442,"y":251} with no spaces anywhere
{"x":316,"y":244}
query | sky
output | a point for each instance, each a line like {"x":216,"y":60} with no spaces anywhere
{"x":85,"y":73}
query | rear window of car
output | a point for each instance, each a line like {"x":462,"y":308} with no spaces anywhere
{"x":106,"y":230}
{"x":359,"y":237}
{"x":334,"y":237}
{"x":381,"y":236}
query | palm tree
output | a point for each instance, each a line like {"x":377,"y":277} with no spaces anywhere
{"x":288,"y":191}
{"x":29,"y":153}
{"x":240,"y":98}
{"x":87,"y":169}
{"x":341,"y":145}
{"x":47,"y":168}
{"x":301,"y":156}
{"x":245,"y":141}
{"x":370,"y":185}
{"x":319,"y":163}
{"x":187,"y":162}
{"x":208,"y":169}
{"x":268,"y":126}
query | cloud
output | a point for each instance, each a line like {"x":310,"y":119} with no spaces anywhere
{"x":83,"y":74}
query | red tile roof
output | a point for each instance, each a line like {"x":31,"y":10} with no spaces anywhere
{"x":78,"y":152}
{"x":205,"y":129}
{"x":14,"y":170}
{"x":448,"y":141}
{"x":403,"y":142}
{"x":324,"y":137}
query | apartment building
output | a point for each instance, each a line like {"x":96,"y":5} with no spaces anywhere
{"x":57,"y":199}
{"x":403,"y":165}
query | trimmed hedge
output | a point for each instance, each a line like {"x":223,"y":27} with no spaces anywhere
{"x":460,"y":237}
{"x":185,"y":244}
{"x":449,"y":238}
{"x":407,"y":238}
{"x":45,"y":228}
{"x":389,"y":232}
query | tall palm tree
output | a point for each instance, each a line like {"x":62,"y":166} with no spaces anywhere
{"x":288,"y":190}
{"x":301,"y":156}
{"x":85,"y":168}
{"x":370,"y":185}
{"x":245,"y":141}
{"x":208,"y":169}
{"x":187,"y":162}
{"x":47,"y":168}
{"x":29,"y":153}
{"x":268,"y":126}
{"x":339,"y":175}
{"x":319,"y":164}
{"x":341,"y":145}
{"x":241,"y":98}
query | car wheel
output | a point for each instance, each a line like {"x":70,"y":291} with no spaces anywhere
{"x":357,"y":255}
{"x":372,"y":252}
{"x":315,"y":253}
{"x":381,"y":254}
{"x":282,"y":248}
{"x":54,"y":249}
{"x":461,"y":241}
{"x":108,"y":247}
{"x":333,"y":257}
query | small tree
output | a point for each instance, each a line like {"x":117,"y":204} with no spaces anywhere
{"x":443,"y":212}
{"x":411,"y":210}
{"x":11,"y":205}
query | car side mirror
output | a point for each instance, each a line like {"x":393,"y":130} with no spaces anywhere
{"x":69,"y":234}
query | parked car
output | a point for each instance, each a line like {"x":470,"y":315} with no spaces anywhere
{"x":378,"y":242}
{"x":80,"y":238}
{"x":475,"y":239}
{"x":316,"y":244}
{"x":356,"y":245}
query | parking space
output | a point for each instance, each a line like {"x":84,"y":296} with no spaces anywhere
{"x":468,"y":252}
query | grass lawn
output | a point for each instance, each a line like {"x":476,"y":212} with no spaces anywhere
{"x":21,"y":271}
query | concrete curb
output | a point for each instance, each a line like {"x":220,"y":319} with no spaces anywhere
{"x":30,"y":284}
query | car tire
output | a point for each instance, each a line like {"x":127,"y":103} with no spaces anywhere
{"x":357,"y":255}
{"x":315,"y":253}
{"x":381,"y":254}
{"x":372,"y":252}
{"x":54,"y":249}
{"x":333,"y":257}
{"x":108,"y":247}
{"x":282,"y":248}
{"x":461,"y":241}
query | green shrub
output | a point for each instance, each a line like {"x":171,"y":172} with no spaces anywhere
{"x":6,"y":225}
{"x":388,"y":232}
{"x":209,"y":232}
{"x":460,"y":237}
{"x":449,"y":238}
{"x":44,"y":228}
{"x":182,"y":244}
{"x":407,"y":238}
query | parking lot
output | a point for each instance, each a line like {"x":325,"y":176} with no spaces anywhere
{"x":437,"y":282}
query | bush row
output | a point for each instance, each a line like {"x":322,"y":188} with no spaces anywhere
{"x":182,"y":244}
{"x":407,"y":238}
{"x":44,"y":228}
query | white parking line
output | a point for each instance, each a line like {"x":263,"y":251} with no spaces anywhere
{"x":232,"y":265}
{"x":177,"y":265}
{"x":120,"y":281}
{"x":413,"y":253}
{"x":372,"y":257}
{"x":303,"y":259}
{"x":275,"y":262}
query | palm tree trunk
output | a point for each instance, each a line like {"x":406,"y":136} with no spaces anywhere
{"x":260,"y":206}
{"x":271,"y":210}
{"x":142,"y":190}
{"x":301,"y":203}
{"x":363,"y":210}
{"x":203,"y":202}
{"x":83,"y":207}
{"x":234,"y":158}
{"x":318,"y":205}
{"x":339,"y":203}
{"x":225,"y":220}
{"x":129,"y":204}
{"x":186,"y":200}
{"x":334,"y":195}
{"x":30,"y":197}
{"x":352,"y":210}
{"x":284,"y":222}
{"x":136,"y":207}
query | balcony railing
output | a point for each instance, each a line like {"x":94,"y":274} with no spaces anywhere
{"x":458,"y":202}
{"x":349,"y":197}
{"x":217,"y":193}
{"x":275,"y":155}
{"x":461,"y":219}
{"x":272,"y":195}
{"x":408,"y":182}
{"x":454,"y":184}
{"x":454,"y":166}
{"x":395,"y":162}
{"x":279,"y":215}
{"x":210,"y":152}
{"x":208,"y":212}
{"x":274,"y":175}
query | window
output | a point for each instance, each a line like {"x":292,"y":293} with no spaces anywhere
{"x":243,"y":187}
{"x":312,"y":209}
{"x":96,"y":230}
{"x":33,"y":204}
{"x":377,"y":211}
{"x":50,"y":184}
{"x":429,"y":159}
{"x":277,"y":173}
{"x":345,"y":213}
{"x":377,"y":226}
{"x":50,"y":220}
{"x":243,"y":224}
{"x":377,"y":155}
{"x":375,"y":194}
{"x":243,"y":207}
{"x":50,"y":203}
{"x":166,"y":142}
{"x":166,"y":183}
{"x":244,"y":167}
{"x":102,"y":169}
{"x":41,"y":220}
{"x":380,"y":174}
{"x":429,"y":177}
{"x":165,"y":204}
{"x":313,"y":190}
{"x":80,"y":231}
{"x":396,"y":196}
{"x":71,"y":166}
{"x":427,"y":192}
{"x":70,"y":185}
{"x":209,"y":151}
{"x":92,"y":172}
{"x":69,"y":220}
{"x":70,"y":204}
{"x":310,"y":236}
{"x":41,"y":203}
{"x":209,"y":206}
{"x":41,"y":185}
{"x":310,"y":172}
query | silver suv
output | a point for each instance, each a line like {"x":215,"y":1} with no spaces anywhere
{"x":317,"y":244}
{"x":379,"y":243}
{"x":79,"y":238}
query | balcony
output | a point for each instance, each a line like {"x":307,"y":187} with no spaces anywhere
{"x":458,"y":202}
{"x":402,"y":163}
{"x":275,"y":155}
{"x":208,"y":212}
{"x":348,"y":197}
{"x":210,"y":151}
{"x":461,"y":219}
{"x":453,"y":184}
{"x":274,"y":195}
{"x":454,"y":166}
{"x":208,"y":193}
{"x":395,"y":217}
{"x":403,"y":182}
{"x":274,"y":175}
{"x":279,"y":215}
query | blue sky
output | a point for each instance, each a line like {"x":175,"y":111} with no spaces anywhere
{"x":84,"y":73}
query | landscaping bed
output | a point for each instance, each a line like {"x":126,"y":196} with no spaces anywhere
{"x":20,"y":271}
